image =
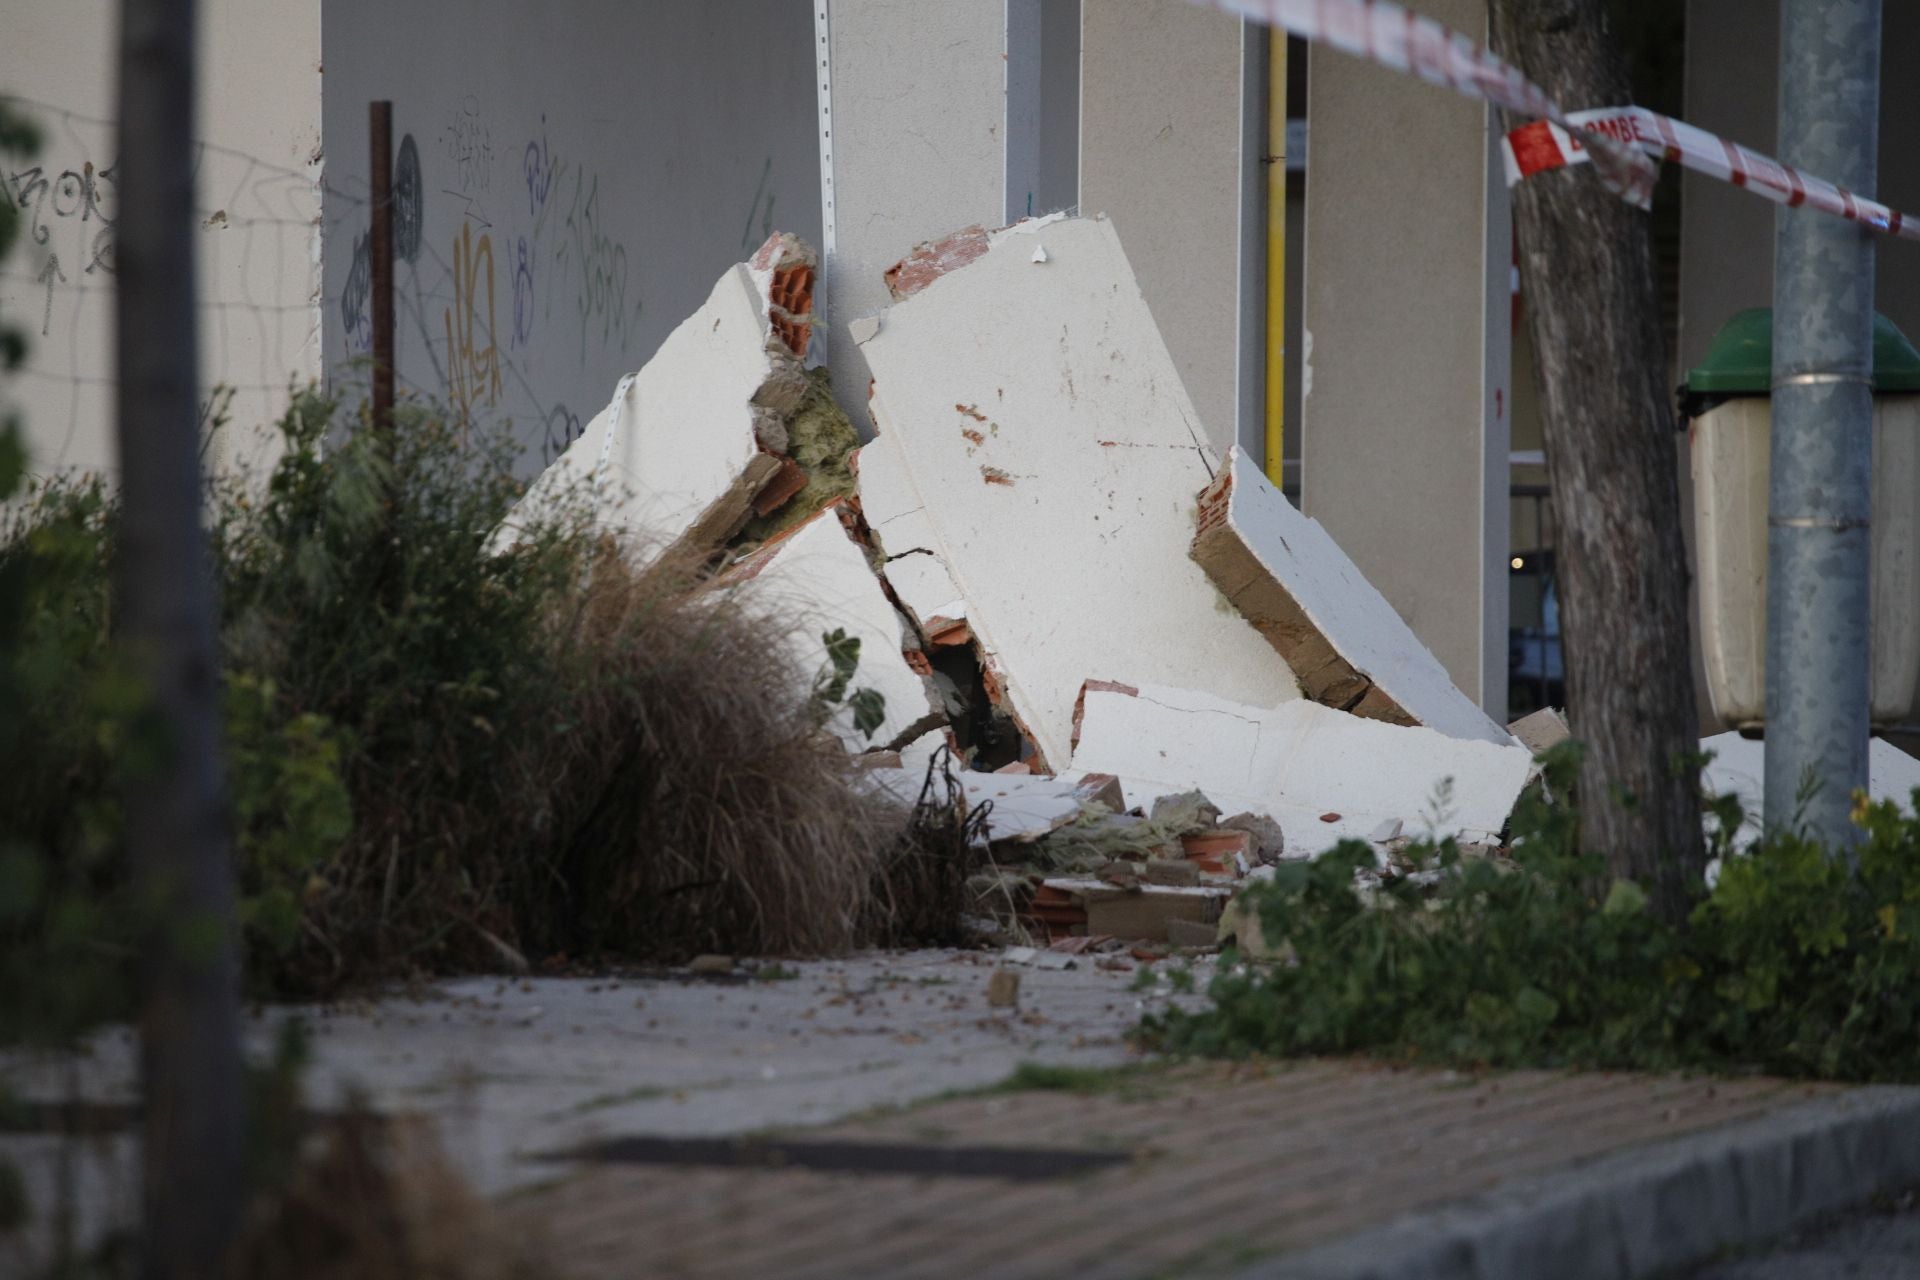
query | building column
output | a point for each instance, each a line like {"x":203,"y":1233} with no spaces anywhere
{"x":1406,"y":389}
{"x":933,"y":117}
{"x":1171,"y":129}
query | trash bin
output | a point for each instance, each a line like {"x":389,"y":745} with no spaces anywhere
{"x":1731,"y":417}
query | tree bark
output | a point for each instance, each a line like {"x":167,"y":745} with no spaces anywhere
{"x":176,"y":817}
{"x":1587,"y":281}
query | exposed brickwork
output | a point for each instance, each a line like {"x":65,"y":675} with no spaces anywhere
{"x":929,"y":261}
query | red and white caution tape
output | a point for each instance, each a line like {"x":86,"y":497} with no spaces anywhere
{"x":1623,"y":142}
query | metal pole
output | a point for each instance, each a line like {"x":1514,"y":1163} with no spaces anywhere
{"x":380,"y":252}
{"x":1818,"y":507}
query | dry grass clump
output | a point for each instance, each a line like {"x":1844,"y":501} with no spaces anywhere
{"x":375,"y":1198}
{"x":548,"y":751}
{"x":707,"y":808}
{"x":445,"y":754}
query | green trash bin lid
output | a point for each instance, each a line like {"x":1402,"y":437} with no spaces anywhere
{"x":1740,"y":361}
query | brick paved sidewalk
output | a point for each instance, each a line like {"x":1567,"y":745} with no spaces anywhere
{"x":1221,"y":1166}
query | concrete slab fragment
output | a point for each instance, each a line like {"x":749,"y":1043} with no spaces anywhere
{"x":693,"y":444}
{"x":1047,"y":456}
{"x":1323,"y":775}
{"x":1347,"y":646}
{"x":1739,"y":768}
{"x":1542,"y":731}
{"x":899,"y":522}
{"x":817,"y":579}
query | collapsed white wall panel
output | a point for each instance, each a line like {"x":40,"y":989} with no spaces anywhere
{"x":1323,"y":775}
{"x":898,"y":519}
{"x":1739,"y":768}
{"x":817,"y":580}
{"x":1344,"y":642}
{"x":692,"y":440}
{"x":1054,"y":456}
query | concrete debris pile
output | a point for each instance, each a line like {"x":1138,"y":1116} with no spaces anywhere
{"x":1044,"y":567}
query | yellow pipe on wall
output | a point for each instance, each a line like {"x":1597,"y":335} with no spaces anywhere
{"x":1276,"y":256}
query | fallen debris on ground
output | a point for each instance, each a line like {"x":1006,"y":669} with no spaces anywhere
{"x":1738,"y":768}
{"x":1542,"y":731}
{"x":1343,"y":641}
{"x":1323,"y":775}
{"x":1040,"y":571}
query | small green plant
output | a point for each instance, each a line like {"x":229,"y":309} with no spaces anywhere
{"x":831,"y":686}
{"x":1794,"y":963}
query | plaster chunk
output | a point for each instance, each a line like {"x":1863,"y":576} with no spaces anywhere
{"x":1322,"y":775}
{"x":1035,"y":439}
{"x":1025,"y":808}
{"x":1349,"y":648}
{"x":1739,"y":768}
{"x":693,"y":443}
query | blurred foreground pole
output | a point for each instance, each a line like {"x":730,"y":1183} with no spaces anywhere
{"x":176,"y":818}
{"x":1818,"y":510}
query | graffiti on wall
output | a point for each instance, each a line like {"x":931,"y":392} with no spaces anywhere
{"x":761,"y":211}
{"x":523,"y":279}
{"x":74,"y":209}
{"x":355,"y":313}
{"x":537,"y":166}
{"x":467,"y":140}
{"x":409,"y":202}
{"x":601,"y":262}
{"x":473,"y":369}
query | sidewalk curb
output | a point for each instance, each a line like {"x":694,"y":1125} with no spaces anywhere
{"x":1647,"y":1212}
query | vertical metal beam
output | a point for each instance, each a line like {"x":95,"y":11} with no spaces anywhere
{"x":380,"y":253}
{"x":1818,"y":625}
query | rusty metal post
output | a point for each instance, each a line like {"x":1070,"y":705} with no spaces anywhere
{"x":380,"y":132}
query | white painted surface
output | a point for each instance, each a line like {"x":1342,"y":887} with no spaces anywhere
{"x":680,"y":443}
{"x":906,"y":534}
{"x":1739,"y":768}
{"x":816,"y":580}
{"x":1300,"y":556}
{"x":919,"y":118}
{"x":1074,"y":565}
{"x":1164,"y":85}
{"x":1025,"y":807}
{"x":257,"y":197}
{"x":586,"y":170}
{"x":1323,"y":775}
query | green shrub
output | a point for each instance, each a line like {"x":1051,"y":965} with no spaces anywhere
{"x":441,"y":753}
{"x":1793,"y":964}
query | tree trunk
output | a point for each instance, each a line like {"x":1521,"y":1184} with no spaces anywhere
{"x":1587,"y":279}
{"x":176,"y":818}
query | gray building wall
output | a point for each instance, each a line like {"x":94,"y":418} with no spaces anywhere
{"x":585,"y":171}
{"x":1733,"y":53}
{"x":1405,"y":416}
